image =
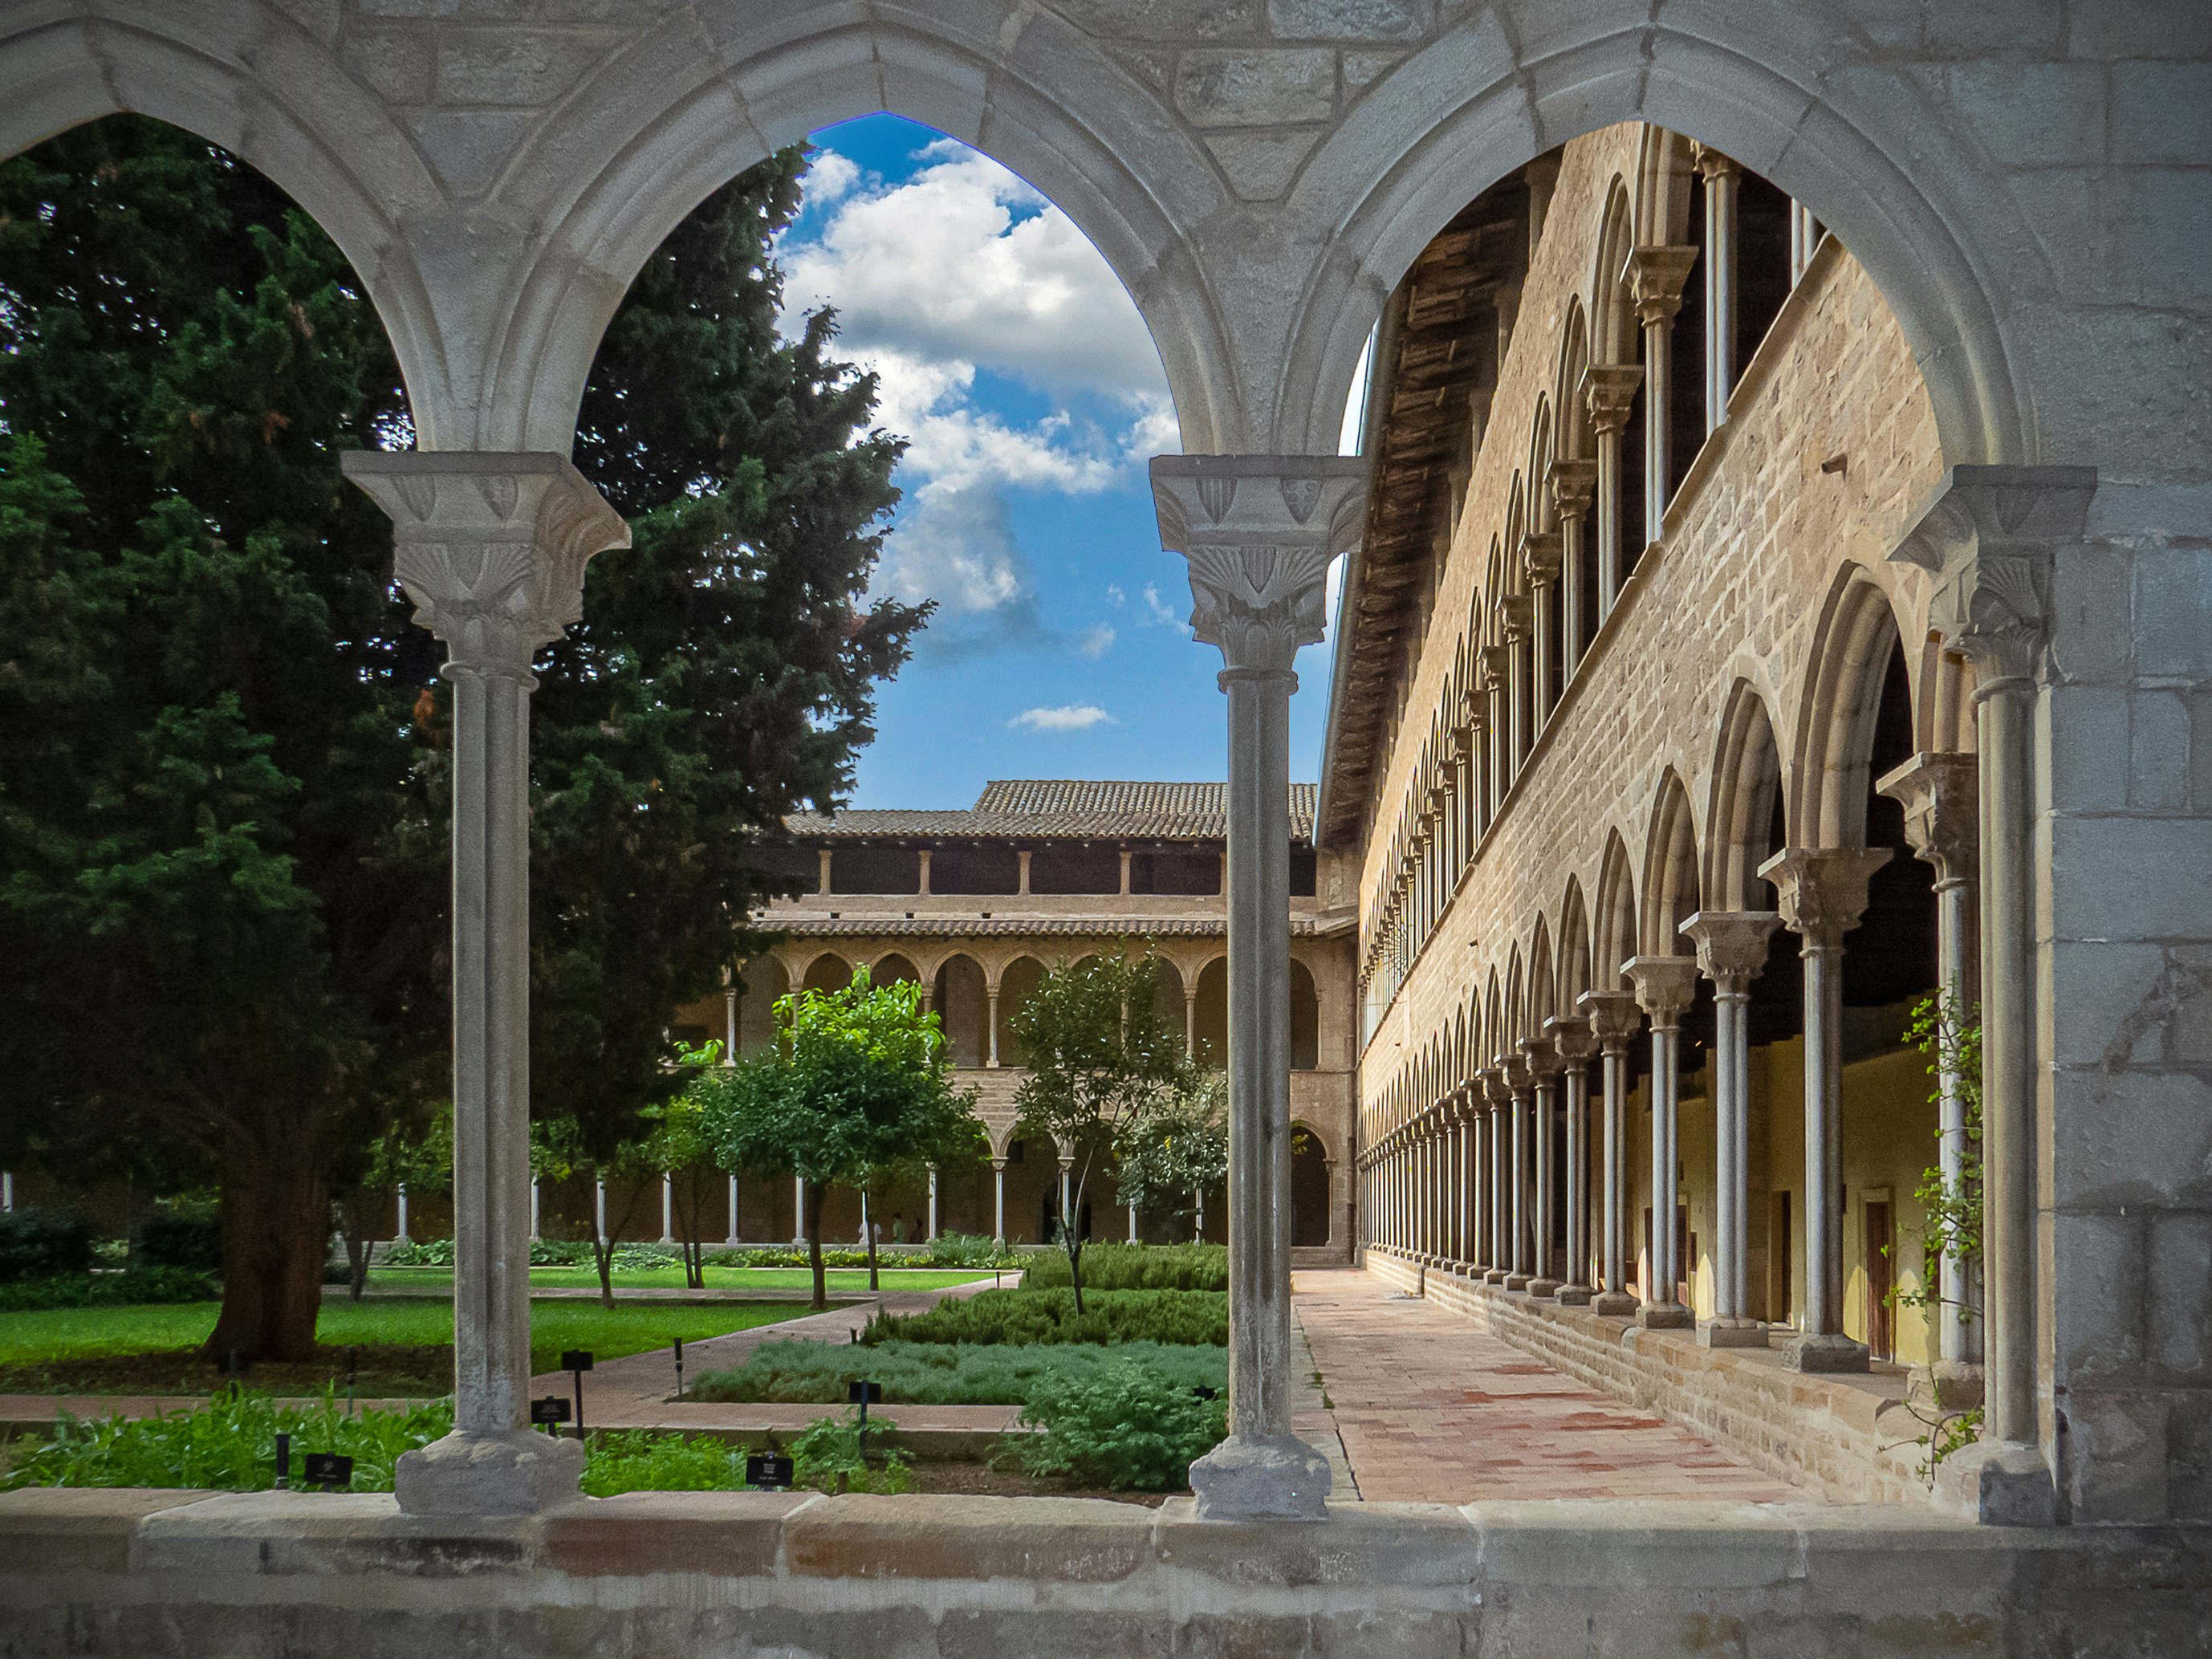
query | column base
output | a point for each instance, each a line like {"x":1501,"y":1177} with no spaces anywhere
{"x":1270,"y":1478}
{"x":1731,"y":1333}
{"x":1614,"y":1304}
{"x":1998,"y":1483}
{"x":1956,"y":1385}
{"x":519,"y":1472}
{"x":1493,"y":1275}
{"x":1543,"y":1287}
{"x":1826,"y":1352}
{"x":1665,"y":1316}
{"x":1575,"y":1296}
{"x":1516,"y":1282}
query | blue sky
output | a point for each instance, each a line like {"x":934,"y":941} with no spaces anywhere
{"x":1017,"y":364}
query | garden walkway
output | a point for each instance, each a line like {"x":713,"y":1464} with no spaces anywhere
{"x":1429,"y":1410}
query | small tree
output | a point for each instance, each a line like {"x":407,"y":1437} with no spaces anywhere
{"x":419,"y":1158}
{"x":1170,"y":1156}
{"x":856,"y":1081}
{"x":1101,"y":1057}
{"x":682,"y":1148}
{"x":558,"y":1151}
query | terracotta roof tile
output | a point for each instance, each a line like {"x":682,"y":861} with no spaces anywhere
{"x":1064,"y":809}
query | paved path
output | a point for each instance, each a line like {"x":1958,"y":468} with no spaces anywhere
{"x":1429,"y":1410}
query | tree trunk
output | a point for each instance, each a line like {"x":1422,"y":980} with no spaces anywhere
{"x":814,"y":1247}
{"x":602,"y":1258}
{"x":276,"y":1230}
{"x":869,"y":1225}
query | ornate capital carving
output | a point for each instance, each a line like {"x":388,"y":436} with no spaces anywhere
{"x":1654,"y":277}
{"x":1516,"y":616}
{"x":1613,"y":1016}
{"x":1573,"y":485}
{"x":1542,"y":1057}
{"x":1711,"y":164}
{"x":1731,"y":945}
{"x":1607,"y":391}
{"x":1822,"y":893}
{"x":1572,"y":1040}
{"x":489,"y":545}
{"x":1942,"y":796}
{"x":1513,"y":1069}
{"x":1988,"y":535}
{"x":1497,"y":666}
{"x":1259,"y":531}
{"x":1664,"y":987}
{"x":1541,"y":551}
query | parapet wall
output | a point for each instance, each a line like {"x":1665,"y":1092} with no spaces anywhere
{"x":147,"y":1575}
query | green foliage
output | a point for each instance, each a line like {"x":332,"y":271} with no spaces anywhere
{"x":647,"y":1460}
{"x":831,"y":1455}
{"x":38,"y":1244}
{"x":796,"y":1372}
{"x":1137,"y":1268}
{"x":1169,"y":1156}
{"x":961,"y":1250}
{"x":186,"y":1232}
{"x":227,"y":1444}
{"x":132,"y":1287}
{"x":1019,"y":1316}
{"x":1128,"y":1427}
{"x":1950,"y":1034}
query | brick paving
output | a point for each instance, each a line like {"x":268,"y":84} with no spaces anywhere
{"x":1430,"y":1410}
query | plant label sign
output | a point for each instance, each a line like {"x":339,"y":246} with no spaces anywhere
{"x":327,"y":1469}
{"x":549,"y":1409}
{"x":770,"y":1470}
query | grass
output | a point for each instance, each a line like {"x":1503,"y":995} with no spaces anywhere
{"x":671,"y":1279}
{"x":797,"y":1372}
{"x":1025,"y":1316}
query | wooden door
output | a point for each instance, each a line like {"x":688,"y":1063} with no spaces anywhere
{"x":1881,"y":1278}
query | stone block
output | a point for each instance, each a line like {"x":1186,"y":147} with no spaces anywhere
{"x":517,"y":68}
{"x":1083,"y":1540}
{"x":304,"y":1535}
{"x":2178,"y":1296}
{"x":1259,"y":166}
{"x":87,"y":1529}
{"x":1161,"y":20}
{"x":1350,"y":20}
{"x":2158,"y":111}
{"x":990,"y":1633}
{"x":2158,"y":750}
{"x":466,"y":148}
{"x":1271,"y":87}
{"x":724,"y":1534}
{"x":2087,"y":729}
{"x":2115,"y":1457}
{"x":2189,"y":1455}
{"x":1408,"y":1545}
{"x":1362,"y":68}
{"x":2098,"y":1298}
{"x":2033,"y":115}
{"x":2102,"y":884}
{"x":2140,"y":1138}
{"x":394,"y":62}
{"x":2173,"y":592}
{"x":1647,"y":1544}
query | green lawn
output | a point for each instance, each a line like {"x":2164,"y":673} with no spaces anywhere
{"x":718,"y":1279}
{"x":27,"y":1338}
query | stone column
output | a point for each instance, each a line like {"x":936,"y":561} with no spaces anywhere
{"x":730,"y":1027}
{"x":921,"y":882}
{"x":1731,"y":951}
{"x":491,"y":549}
{"x":667,"y":1207}
{"x":534,"y":1226}
{"x":735,"y":1231}
{"x":1463,"y":1167}
{"x":1544,"y":1069}
{"x":999,"y":1201}
{"x":1663,"y":988}
{"x":1190,"y":1021}
{"x":822,"y":865}
{"x":931,"y":1236}
{"x":1608,"y":390}
{"x":798,"y":1210}
{"x":1259,"y":532}
{"x":1571,"y":484}
{"x":400,"y":1199}
{"x":1989,"y":538}
{"x":1517,"y":614}
{"x":1497,"y":675}
{"x":1823,"y":894}
{"x":1500,"y":1099}
{"x":1542,"y":555}
{"x":1068,"y":1219}
{"x":1572,"y":1041}
{"x":1655,"y":275}
{"x":991,"y":1023}
{"x":1615,"y":1018}
{"x":1942,"y":823}
{"x":1515,"y":1070}
{"x":1721,"y":176}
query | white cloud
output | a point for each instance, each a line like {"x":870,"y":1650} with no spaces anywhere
{"x":1096,"y":641}
{"x":1113,"y":592}
{"x":1163,"y":613}
{"x":1072,"y":717}
{"x":830,"y":177}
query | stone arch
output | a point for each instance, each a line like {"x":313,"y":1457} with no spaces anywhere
{"x":826,"y":971}
{"x":1516,"y":1006}
{"x":1575,"y":440}
{"x":1493,"y":1025}
{"x":1613,"y":925}
{"x":1574,"y":969}
{"x":1851,"y":647}
{"x":1746,"y":792}
{"x":1310,"y":1158}
{"x":1670,"y":870}
{"x":1541,"y":432}
{"x":1017,"y":982}
{"x":1663,"y":189}
{"x":1212,"y":1024}
{"x":962,"y":998}
{"x":1616,"y":336}
{"x":893,"y":967}
{"x":763,"y":982}
{"x":1305,"y":1019}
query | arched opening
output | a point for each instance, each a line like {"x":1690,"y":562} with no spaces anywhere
{"x":764,"y":983}
{"x":827,"y":972}
{"x":962,"y":1002}
{"x":893,"y":969}
{"x":1017,"y":982}
{"x":1305,"y":1019}
{"x":1211,"y":1017}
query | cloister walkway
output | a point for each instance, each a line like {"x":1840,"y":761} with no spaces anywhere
{"x":1430,"y":1410}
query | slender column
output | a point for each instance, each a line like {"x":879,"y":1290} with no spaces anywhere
{"x":1823,"y":894}
{"x":1068,"y":1219}
{"x":999,"y":1200}
{"x":1021,"y":880}
{"x":1190,"y":1021}
{"x":667,"y":1208}
{"x":491,"y":549}
{"x":535,"y":1229}
{"x":7,"y":1192}
{"x":1571,"y":484}
{"x":1663,"y":987}
{"x":600,"y":1211}
{"x":798,"y":1210}
{"x":1132,"y":1224}
{"x":921,"y":883}
{"x":991,"y":1020}
{"x":1515,"y":1070}
{"x":1608,"y":391}
{"x":931,"y":1236}
{"x":1731,"y":951}
{"x":1543,"y":1062}
{"x":1615,"y":1020}
{"x":1497,"y":675}
{"x":401,"y":1236}
{"x":1259,"y":532}
{"x":1542,"y":557}
{"x":736,"y":1233}
{"x":1721,"y":177}
{"x":1655,"y":277}
{"x":1501,"y":1254}
{"x":730,"y":1026}
{"x":1518,"y":616}
{"x":1572,"y":1041}
{"x":1942,"y":823}
{"x":822,"y":867}
{"x":1463,"y":1181}
{"x":1127,"y":889}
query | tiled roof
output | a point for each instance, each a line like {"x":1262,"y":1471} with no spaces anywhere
{"x":1066,"y":808}
{"x":1003,"y":927}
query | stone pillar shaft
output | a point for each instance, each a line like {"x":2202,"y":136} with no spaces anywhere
{"x":1663,"y":988}
{"x":1722,"y":178}
{"x":1731,"y":951}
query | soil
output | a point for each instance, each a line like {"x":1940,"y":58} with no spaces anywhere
{"x":980,"y":1480}
{"x":381,"y":1372}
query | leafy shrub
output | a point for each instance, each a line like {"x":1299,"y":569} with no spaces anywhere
{"x":1024,"y":1316}
{"x":827,"y":1455}
{"x":134,"y":1286}
{"x":796,"y":1371}
{"x":962,"y":1250}
{"x":227,"y":1445}
{"x":40,"y":1244}
{"x":784,"y":1255}
{"x":559,"y":1252}
{"x":1139,"y":1267}
{"x":189,"y":1237}
{"x":1128,"y":1428}
{"x":418,"y":1253}
{"x":640,"y":1460}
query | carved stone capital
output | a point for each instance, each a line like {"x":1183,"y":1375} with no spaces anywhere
{"x":1573,"y":485}
{"x":1516,"y":616}
{"x":489,"y":545}
{"x":1711,"y":164}
{"x":1988,"y":537}
{"x":1259,"y":531}
{"x":1542,"y":1058}
{"x":1614,"y":1018}
{"x":1655,"y":275}
{"x":1513,"y":1068}
{"x":1607,"y":391}
{"x":1822,"y":893}
{"x":1572,"y":1040}
{"x":1664,"y":987}
{"x":1541,"y":553}
{"x":1497,"y":666}
{"x":1942,"y":795}
{"x":1731,"y":945}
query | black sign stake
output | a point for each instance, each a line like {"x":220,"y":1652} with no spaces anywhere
{"x":576,"y":1362}
{"x":328,"y":1470}
{"x":283,"y":1462}
{"x":679,"y":1368}
{"x":352,"y":1371}
{"x":549,"y":1412}
{"x":859,"y":1394}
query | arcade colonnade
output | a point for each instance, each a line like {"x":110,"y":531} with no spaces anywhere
{"x":1260,"y":178}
